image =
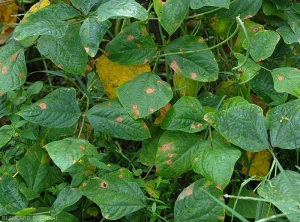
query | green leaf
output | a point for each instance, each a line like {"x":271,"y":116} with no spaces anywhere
{"x":144,"y":94}
{"x":283,"y":191}
{"x":6,"y":133}
{"x":293,"y":18}
{"x":280,"y":4}
{"x":249,"y":69}
{"x":65,"y":52}
{"x":200,"y":66}
{"x":5,"y":105}
{"x":215,"y":159}
{"x":115,"y":193}
{"x":174,"y":153}
{"x":11,"y":199}
{"x":195,"y":4}
{"x":285,"y":125}
{"x":185,"y":115}
{"x":110,"y":117}
{"x":287,"y":34}
{"x":287,"y":79}
{"x":194,"y":204}
{"x":35,"y":88}
{"x":68,"y":151}
{"x":84,"y":6}
{"x":58,"y":109}
{"x":121,"y":8}
{"x":35,"y":169}
{"x":132,"y":46}
{"x":149,"y":147}
{"x":91,"y":34}
{"x":262,"y":44}
{"x":242,"y":125}
{"x":247,"y":207}
{"x":66,"y":197}
{"x":13,"y":69}
{"x":244,"y":8}
{"x":46,"y":21}
{"x":171,"y":13}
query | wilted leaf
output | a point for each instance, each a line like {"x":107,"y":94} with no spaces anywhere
{"x":113,"y":75}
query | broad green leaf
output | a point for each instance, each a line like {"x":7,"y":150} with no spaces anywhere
{"x":5,"y":105}
{"x":13,"y":69}
{"x":249,"y":69}
{"x":242,"y":125}
{"x":144,"y":94}
{"x":11,"y":199}
{"x":174,"y":153}
{"x":35,"y":88}
{"x":171,"y":13}
{"x":244,"y":8}
{"x":287,"y":79}
{"x":200,"y":66}
{"x":285,"y":125}
{"x":293,"y":18}
{"x":66,"y":197}
{"x":194,"y":204}
{"x":287,"y":34}
{"x":121,"y":8}
{"x":110,"y":117}
{"x":91,"y":34}
{"x":132,"y":46}
{"x":283,"y":191}
{"x":280,"y":4}
{"x":6,"y":133}
{"x":65,"y":52}
{"x":85,"y":6}
{"x":58,"y":109}
{"x":252,"y":28}
{"x":35,"y":169}
{"x":185,"y":115}
{"x":247,"y":207}
{"x":215,"y":159}
{"x":269,"y":8}
{"x":195,"y":4}
{"x":46,"y":21}
{"x":68,"y":151}
{"x":262,"y":44}
{"x":115,"y":193}
{"x":149,"y":147}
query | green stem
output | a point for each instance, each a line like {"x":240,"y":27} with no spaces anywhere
{"x":85,"y":89}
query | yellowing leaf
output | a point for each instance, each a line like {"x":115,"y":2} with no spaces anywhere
{"x":162,"y":113}
{"x":113,"y":75}
{"x":186,"y":86}
{"x":7,"y":11}
{"x":257,"y":164}
{"x":37,"y":6}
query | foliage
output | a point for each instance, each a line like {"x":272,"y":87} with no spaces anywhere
{"x":176,"y":110}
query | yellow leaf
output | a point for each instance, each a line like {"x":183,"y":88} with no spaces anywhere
{"x":113,"y":75}
{"x":7,"y":11}
{"x":37,"y":6}
{"x":257,"y":163}
{"x":162,"y":113}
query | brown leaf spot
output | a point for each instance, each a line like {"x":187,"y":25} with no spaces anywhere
{"x":218,"y":186}
{"x":120,"y":176}
{"x":199,"y":125}
{"x":175,"y":67}
{"x":86,"y":33}
{"x":104,"y":184}
{"x":134,"y":107}
{"x":159,"y":82}
{"x":108,"y":104}
{"x":119,"y":119}
{"x":139,"y":45}
{"x":280,"y":78}
{"x":247,"y":17}
{"x":150,"y":90}
{"x":59,"y":66}
{"x":221,"y":197}
{"x":206,"y":184}
{"x":87,"y":49}
{"x":175,"y":23}
{"x":136,"y":112}
{"x":74,"y":161}
{"x":189,"y":191}
{"x":43,"y":106}
{"x":170,"y":155}
{"x":106,"y":216}
{"x":144,"y":32}
{"x":145,"y":126}
{"x":0,"y":63}
{"x":151,"y":109}
{"x":201,"y":40}
{"x":82,"y":148}
{"x":221,"y":218}
{"x":196,"y":159}
{"x":1,"y":94}
{"x":169,"y":162}
{"x":255,"y":29}
{"x":130,"y":38}
{"x":193,"y":126}
{"x":21,"y":75}
{"x":180,"y":49}
{"x":4,"y":69}
{"x":165,"y":147}
{"x":14,"y":57}
{"x":163,"y":2}
{"x":193,"y":75}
